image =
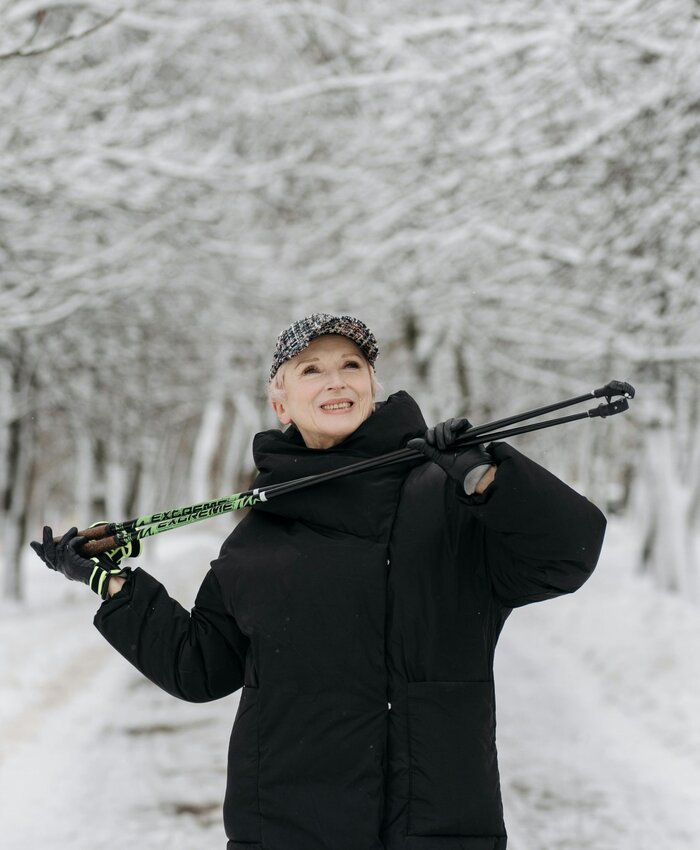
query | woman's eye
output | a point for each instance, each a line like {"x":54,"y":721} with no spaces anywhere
{"x":312,"y":370}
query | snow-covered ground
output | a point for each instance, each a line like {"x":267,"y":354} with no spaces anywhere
{"x":598,"y":706}
{"x":599,"y":715}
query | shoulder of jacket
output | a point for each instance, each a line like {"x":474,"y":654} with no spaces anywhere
{"x":428,"y":481}
{"x":426,"y":475}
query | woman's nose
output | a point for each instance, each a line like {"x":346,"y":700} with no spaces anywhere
{"x":335,"y":379}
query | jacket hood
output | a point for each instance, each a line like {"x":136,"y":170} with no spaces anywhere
{"x":360,"y":503}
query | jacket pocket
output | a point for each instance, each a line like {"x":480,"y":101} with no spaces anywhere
{"x":454,"y":786}
{"x":241,"y":806}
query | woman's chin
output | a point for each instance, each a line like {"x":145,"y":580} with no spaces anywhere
{"x":333,"y":428}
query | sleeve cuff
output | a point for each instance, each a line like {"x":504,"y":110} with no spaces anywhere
{"x":472,"y":478}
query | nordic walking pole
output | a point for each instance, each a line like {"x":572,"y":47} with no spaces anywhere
{"x":611,"y":389}
{"x":112,"y":535}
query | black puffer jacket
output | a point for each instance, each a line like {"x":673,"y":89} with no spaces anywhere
{"x":362,"y":617}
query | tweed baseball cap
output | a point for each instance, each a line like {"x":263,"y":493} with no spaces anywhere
{"x":297,"y":337}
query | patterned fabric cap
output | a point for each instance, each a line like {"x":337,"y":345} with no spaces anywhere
{"x":297,"y":337}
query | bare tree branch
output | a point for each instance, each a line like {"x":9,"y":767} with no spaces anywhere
{"x":27,"y":51}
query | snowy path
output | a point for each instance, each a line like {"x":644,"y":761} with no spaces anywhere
{"x":598,"y":700}
{"x":91,"y":754}
{"x":598,"y":707}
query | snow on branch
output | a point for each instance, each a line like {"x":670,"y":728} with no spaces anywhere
{"x":334,"y":83}
{"x":30,"y":8}
{"x":611,"y":123}
{"x":210,"y":170}
{"x":27,"y":49}
{"x":358,"y":81}
{"x":427,"y":28}
{"x":569,"y":254}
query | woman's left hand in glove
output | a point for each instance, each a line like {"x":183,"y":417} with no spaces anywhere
{"x":465,"y":466}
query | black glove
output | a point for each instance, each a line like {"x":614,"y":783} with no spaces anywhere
{"x":65,"y":558}
{"x":456,"y":463}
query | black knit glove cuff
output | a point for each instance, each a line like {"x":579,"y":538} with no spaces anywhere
{"x":105,"y":570}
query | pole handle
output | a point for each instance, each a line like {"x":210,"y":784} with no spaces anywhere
{"x":609,"y":409}
{"x":614,"y":388}
{"x":95,"y":532}
{"x":97,"y":547}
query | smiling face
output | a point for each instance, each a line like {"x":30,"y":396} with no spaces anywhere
{"x":328,"y":391}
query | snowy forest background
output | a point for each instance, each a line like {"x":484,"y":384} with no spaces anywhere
{"x":508,"y":194}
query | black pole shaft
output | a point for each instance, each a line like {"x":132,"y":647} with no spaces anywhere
{"x":528,"y":414}
{"x":472,"y":440}
{"x":404,"y":455}
{"x":474,"y":436}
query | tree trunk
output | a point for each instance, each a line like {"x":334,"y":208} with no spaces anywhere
{"x":116,"y":483}
{"x":16,"y":503}
{"x":667,"y":550}
{"x":206,"y":446}
{"x":84,"y":477}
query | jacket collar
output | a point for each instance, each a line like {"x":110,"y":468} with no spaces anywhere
{"x":359,"y":503}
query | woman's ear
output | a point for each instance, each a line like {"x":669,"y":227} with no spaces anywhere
{"x":281,"y":411}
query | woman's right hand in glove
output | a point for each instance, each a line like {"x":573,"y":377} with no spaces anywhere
{"x":64,"y":557}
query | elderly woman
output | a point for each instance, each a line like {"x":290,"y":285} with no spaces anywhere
{"x":359,"y":616}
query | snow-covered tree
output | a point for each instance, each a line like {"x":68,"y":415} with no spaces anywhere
{"x":507,"y":195}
